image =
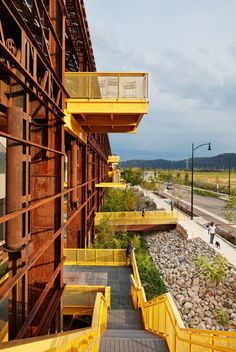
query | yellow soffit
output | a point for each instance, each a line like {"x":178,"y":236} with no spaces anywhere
{"x":106,"y":106}
{"x":72,"y":127}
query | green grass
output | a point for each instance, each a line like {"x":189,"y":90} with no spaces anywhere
{"x":205,"y":193}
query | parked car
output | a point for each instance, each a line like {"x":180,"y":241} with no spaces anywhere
{"x":169,"y":186}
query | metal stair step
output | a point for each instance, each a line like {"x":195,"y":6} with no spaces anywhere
{"x":132,"y":344}
{"x":137,"y":334}
{"x":124,"y":319}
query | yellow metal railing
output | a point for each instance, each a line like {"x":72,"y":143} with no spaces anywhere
{"x":113,"y":86}
{"x":4,"y":278}
{"x":161,"y":316}
{"x":136,"y":217}
{"x":80,"y":300}
{"x":4,"y":333}
{"x":76,"y":341}
{"x":108,"y":257}
{"x":110,"y":185}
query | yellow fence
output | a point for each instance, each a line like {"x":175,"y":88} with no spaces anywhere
{"x":80,"y":300}
{"x":76,"y":341}
{"x":109,"y":257}
{"x":160,"y":316}
{"x":111,"y":85}
{"x":136,"y":217}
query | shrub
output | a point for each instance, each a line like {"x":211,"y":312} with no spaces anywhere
{"x":229,"y":205}
{"x":120,"y":200}
{"x":215,"y":270}
{"x":149,"y":274}
{"x":222,"y":316}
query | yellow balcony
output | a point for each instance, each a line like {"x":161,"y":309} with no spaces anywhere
{"x":113,"y":159}
{"x":110,"y":185}
{"x":107,"y":102}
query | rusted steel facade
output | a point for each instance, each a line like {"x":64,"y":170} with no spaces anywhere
{"x":51,"y":197}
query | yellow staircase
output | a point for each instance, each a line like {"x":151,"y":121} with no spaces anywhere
{"x":159,"y":315}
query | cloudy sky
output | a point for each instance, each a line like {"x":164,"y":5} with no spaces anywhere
{"x":189,"y":50}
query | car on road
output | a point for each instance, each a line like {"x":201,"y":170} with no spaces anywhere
{"x":169,"y":186}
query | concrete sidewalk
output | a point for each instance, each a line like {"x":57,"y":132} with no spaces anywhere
{"x":196,"y":229}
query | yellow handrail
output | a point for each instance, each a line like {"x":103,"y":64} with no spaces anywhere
{"x":78,"y":340}
{"x":4,"y":333}
{"x":161,"y":316}
{"x":136,"y":217}
{"x":107,"y":85}
{"x":107,"y":257}
{"x":4,"y":278}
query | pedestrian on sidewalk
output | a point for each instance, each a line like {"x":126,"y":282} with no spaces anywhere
{"x":143,"y":213}
{"x":212,"y":231}
{"x":171,"y":205}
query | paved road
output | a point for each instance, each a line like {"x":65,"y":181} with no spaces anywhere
{"x":213,"y":205}
{"x":210,"y":209}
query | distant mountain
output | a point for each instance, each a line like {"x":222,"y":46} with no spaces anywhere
{"x":218,"y":162}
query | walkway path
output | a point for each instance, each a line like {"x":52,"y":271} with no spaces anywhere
{"x":196,"y":229}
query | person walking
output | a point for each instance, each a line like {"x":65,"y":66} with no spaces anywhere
{"x":212,"y":231}
{"x":143,"y":213}
{"x":129,"y":250}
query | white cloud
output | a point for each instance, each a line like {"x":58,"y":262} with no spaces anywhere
{"x":189,"y":49}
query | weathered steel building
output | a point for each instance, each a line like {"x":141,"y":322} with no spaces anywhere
{"x":55,"y":113}
{"x":39,"y":42}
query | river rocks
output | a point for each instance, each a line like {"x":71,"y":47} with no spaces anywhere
{"x":198,"y":300}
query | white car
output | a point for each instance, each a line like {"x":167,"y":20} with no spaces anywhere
{"x":169,"y":186}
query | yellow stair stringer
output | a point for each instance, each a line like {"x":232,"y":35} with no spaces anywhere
{"x":161,"y":317}
{"x":77,"y":340}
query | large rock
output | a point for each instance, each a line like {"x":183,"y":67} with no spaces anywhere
{"x":196,"y":298}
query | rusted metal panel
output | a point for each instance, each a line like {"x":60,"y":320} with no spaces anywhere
{"x":14,"y":178}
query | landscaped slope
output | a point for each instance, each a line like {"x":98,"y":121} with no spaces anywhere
{"x":203,"y":303}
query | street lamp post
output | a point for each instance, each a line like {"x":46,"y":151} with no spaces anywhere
{"x":229,"y":175}
{"x":193,"y":149}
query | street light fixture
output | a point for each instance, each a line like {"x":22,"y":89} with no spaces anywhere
{"x":194,"y":148}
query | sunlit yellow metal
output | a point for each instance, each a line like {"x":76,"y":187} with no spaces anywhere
{"x":72,"y":341}
{"x":104,"y":257}
{"x":107,"y":102}
{"x":113,"y":159}
{"x":4,"y":278}
{"x":110,"y":173}
{"x":160,"y":316}
{"x":4,"y":333}
{"x":110,"y":185}
{"x":136,"y":218}
{"x":80,"y":300}
{"x":73,"y":127}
